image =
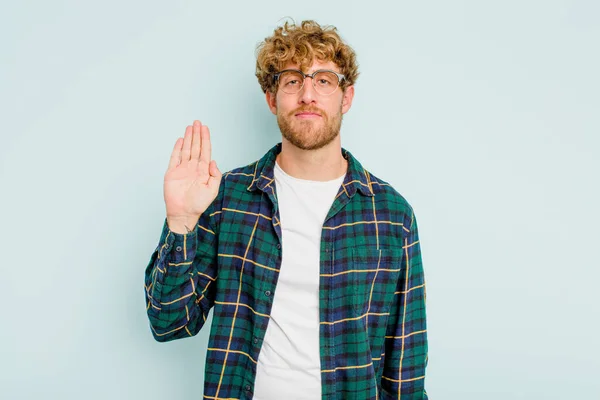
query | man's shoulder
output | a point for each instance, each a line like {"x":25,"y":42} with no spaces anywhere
{"x":241,"y":176}
{"x":385,"y":192}
{"x":245,"y":176}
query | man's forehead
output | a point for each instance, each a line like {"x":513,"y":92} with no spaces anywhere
{"x":317,"y":64}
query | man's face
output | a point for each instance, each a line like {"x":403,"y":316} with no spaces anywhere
{"x":308,"y":119}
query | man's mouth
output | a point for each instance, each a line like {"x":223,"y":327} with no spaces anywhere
{"x":307,"y":114}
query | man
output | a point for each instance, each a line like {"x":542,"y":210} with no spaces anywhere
{"x":311,"y":263}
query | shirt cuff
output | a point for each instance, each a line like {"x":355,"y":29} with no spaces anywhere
{"x":177,"y":251}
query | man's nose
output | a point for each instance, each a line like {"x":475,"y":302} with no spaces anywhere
{"x":308,"y":93}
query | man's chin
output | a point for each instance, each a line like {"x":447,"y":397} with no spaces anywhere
{"x":307,"y":141}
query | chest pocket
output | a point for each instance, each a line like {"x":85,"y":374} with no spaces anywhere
{"x":375,"y":278}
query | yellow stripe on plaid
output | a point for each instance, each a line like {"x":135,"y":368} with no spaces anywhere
{"x":351,"y":271}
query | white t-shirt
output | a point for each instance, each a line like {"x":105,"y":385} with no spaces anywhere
{"x":289,"y":364}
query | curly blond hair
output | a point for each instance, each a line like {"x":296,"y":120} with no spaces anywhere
{"x":302,"y":44}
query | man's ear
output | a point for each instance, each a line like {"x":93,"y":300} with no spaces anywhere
{"x":271,"y":101}
{"x":347,"y":99}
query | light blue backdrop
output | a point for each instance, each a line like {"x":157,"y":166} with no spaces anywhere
{"x":484,"y":115}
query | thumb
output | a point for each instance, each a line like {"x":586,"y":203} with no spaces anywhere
{"x":215,"y":174}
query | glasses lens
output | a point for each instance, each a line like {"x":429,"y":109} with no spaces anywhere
{"x":326,"y":82}
{"x":290,"y":82}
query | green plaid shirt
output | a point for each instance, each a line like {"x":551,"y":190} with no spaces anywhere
{"x":373,"y":340}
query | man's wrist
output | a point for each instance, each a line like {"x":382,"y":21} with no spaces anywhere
{"x":182,"y":225}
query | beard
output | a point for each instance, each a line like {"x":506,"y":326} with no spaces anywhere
{"x":311,"y":134}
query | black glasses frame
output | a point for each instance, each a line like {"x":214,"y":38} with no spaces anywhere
{"x":340,"y":77}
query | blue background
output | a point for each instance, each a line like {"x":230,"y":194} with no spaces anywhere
{"x":484,"y":115}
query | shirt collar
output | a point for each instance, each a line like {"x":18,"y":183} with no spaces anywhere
{"x":356,"y":179}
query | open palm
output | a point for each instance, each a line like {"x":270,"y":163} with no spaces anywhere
{"x":192,"y":180}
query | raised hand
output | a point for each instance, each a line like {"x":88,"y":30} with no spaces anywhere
{"x":192,"y":180}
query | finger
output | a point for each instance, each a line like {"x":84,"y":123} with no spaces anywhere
{"x":187,"y":145}
{"x":195,"y":155}
{"x":206,"y":147}
{"x":215,"y":174}
{"x":176,"y":154}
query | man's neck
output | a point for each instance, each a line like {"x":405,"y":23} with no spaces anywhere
{"x":324,"y":164}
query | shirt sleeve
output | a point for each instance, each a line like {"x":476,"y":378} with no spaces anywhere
{"x":406,"y":337}
{"x":180,"y":279}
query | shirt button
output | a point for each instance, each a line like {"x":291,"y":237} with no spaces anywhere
{"x":255,"y":340}
{"x":278,"y":246}
{"x":248,"y":388}
{"x":178,"y":248}
{"x":267,"y":293}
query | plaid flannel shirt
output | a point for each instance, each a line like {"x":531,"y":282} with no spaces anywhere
{"x":373,"y":340}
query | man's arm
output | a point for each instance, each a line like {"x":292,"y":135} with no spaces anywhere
{"x":406,"y":336}
{"x":180,"y":280}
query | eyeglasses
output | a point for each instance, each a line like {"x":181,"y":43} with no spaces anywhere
{"x":325,"y":81}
